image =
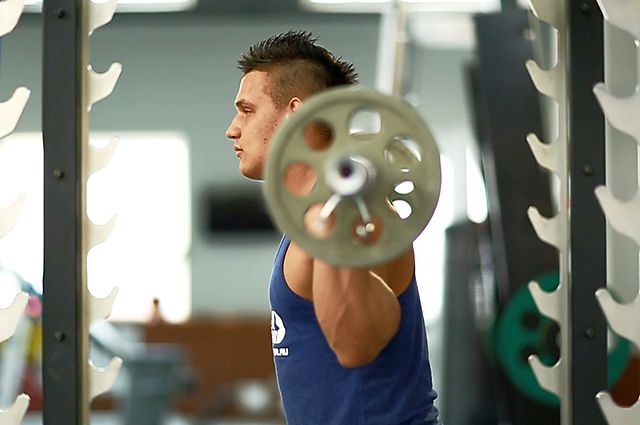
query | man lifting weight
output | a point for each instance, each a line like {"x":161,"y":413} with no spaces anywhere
{"x":349,"y":344}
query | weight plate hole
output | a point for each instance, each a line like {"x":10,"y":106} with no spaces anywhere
{"x":299,"y":178}
{"x":552,"y":340}
{"x":365,"y":121}
{"x":530,"y":320}
{"x":367,"y":233}
{"x":318,"y":135}
{"x":405,"y":187}
{"x":402,"y":208}
{"x":526,"y":352}
{"x":315,"y":225}
{"x":403,"y":153}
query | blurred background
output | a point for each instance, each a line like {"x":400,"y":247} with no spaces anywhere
{"x":193,"y":247}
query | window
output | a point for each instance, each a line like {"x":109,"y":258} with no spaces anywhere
{"x":147,"y":185}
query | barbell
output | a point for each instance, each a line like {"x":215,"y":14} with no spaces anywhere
{"x":349,"y":195}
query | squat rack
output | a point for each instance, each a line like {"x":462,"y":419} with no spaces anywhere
{"x":70,"y":88}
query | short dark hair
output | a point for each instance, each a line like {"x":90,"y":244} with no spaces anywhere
{"x":297,"y":66}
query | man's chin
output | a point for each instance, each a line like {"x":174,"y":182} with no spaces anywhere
{"x":251,"y":175}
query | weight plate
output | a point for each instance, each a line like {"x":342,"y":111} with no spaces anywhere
{"x":363,"y":173}
{"x":521,"y":330}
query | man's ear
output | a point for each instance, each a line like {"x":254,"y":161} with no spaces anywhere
{"x":294,"y":104}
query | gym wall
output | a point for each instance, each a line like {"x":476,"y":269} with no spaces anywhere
{"x":179,"y":74}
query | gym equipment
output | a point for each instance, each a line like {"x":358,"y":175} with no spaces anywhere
{"x":374,"y":190}
{"x":514,"y":182}
{"x":10,"y":12}
{"x":521,"y":331}
{"x":152,"y":376}
{"x":15,"y":414}
{"x":554,"y":231}
{"x":69,"y":161}
{"x":99,"y":86}
{"x":622,"y":216}
{"x":20,"y":355}
{"x":11,"y":110}
{"x":10,"y":113}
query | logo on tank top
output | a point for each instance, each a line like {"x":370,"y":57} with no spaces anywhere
{"x":278,"y":332}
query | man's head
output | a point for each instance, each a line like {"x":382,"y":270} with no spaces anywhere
{"x":296,"y":65}
{"x":279,"y":73}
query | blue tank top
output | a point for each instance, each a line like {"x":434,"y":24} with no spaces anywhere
{"x":395,"y":389}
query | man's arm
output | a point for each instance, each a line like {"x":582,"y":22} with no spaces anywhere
{"x":358,"y":308}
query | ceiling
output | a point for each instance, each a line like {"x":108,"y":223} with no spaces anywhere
{"x":247,"y":6}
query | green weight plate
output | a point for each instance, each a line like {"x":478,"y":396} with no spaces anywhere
{"x":521,"y":331}
{"x":401,"y":163}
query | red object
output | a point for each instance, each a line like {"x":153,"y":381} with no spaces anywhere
{"x":31,"y":386}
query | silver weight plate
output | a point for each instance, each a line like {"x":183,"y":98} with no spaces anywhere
{"x":377,"y":187}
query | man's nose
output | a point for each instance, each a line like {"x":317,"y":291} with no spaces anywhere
{"x":233,"y":132}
